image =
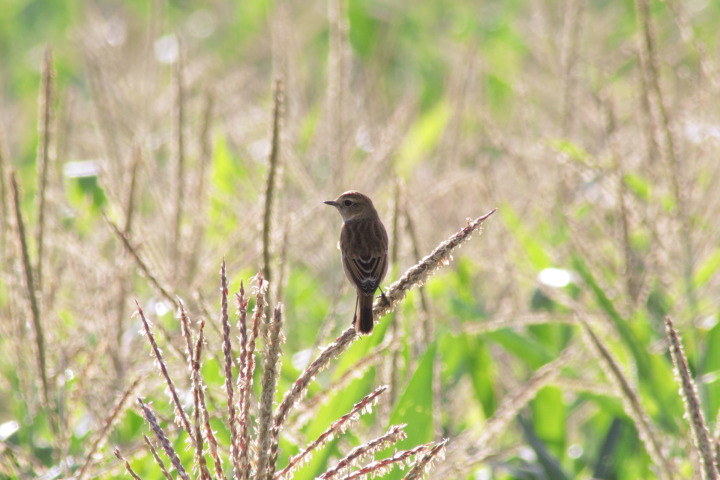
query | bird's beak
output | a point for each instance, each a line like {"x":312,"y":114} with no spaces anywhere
{"x":331,"y":202}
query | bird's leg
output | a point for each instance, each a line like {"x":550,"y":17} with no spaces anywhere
{"x":357,"y":299}
{"x":382,"y":295}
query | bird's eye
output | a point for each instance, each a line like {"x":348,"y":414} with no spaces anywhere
{"x":347,"y":203}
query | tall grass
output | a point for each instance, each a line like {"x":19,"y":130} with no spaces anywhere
{"x":168,"y":141}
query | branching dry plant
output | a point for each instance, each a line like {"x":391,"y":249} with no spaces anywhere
{"x":257,"y":456}
{"x":152,"y":138}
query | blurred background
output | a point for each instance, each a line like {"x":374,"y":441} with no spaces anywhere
{"x":592,"y":125}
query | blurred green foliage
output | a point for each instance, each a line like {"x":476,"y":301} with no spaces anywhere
{"x":455,"y":381}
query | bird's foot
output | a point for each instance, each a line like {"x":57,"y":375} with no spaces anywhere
{"x":383,"y":296}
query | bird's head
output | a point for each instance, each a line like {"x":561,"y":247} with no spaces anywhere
{"x":353,"y":205}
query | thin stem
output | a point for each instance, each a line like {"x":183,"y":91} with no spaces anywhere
{"x":649,"y":63}
{"x":47,"y":113}
{"x":4,"y":209}
{"x":179,"y":159}
{"x":122,"y":266}
{"x":693,"y":409}
{"x":336,"y":88}
{"x":631,"y":399}
{"x":278,"y":100}
{"x":267,"y":434}
{"x":110,"y":421}
{"x":164,"y":441}
{"x":180,"y":415}
{"x":32,"y":293}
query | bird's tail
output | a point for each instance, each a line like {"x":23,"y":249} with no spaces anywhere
{"x":364,"y":324}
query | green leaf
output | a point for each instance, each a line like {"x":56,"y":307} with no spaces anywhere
{"x":549,"y":462}
{"x":304,"y":300}
{"x":711,"y":369}
{"x":631,"y":458}
{"x":415,"y":405}
{"x":479,"y":367}
{"x":653,"y":371}
{"x":638,"y":184}
{"x":620,"y":324}
{"x":364,"y":27}
{"x":226,"y":169}
{"x":555,"y":336}
{"x":571,"y":150}
{"x":707,"y":269}
{"x":533,"y":249}
{"x":308,"y":129}
{"x":86,"y":191}
{"x":606,"y":404}
{"x":524,"y":347}
{"x":499,"y":92}
{"x":212,"y":373}
{"x":423,"y":137}
{"x":550,"y":419}
{"x":415,"y":408}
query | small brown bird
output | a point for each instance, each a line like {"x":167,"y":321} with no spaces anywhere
{"x":364,"y":249}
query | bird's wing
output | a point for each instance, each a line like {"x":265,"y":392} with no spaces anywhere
{"x":367,"y":264}
{"x":366,"y":272}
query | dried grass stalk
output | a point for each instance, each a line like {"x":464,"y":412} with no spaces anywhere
{"x":418,"y":274}
{"x":157,"y":458}
{"x":293,"y":395}
{"x":382,"y":467}
{"x":44,"y":155}
{"x":164,"y":441}
{"x":241,"y":440}
{"x":310,"y":406}
{"x":132,"y":186}
{"x":570,"y":43}
{"x":187,"y":335}
{"x":144,"y":269}
{"x":246,"y":378}
{"x":649,"y":64}
{"x":179,"y":134}
{"x":427,"y":327}
{"x":512,"y":404}
{"x":163,"y":291}
{"x":128,"y":468}
{"x":273,"y":161}
{"x":198,"y":230}
{"x":31,"y":292}
{"x":197,"y":385}
{"x":122,"y":277}
{"x":337,"y":428}
{"x":267,"y":434}
{"x":110,"y":421}
{"x":631,"y":400}
{"x":4,"y":209}
{"x":394,"y":434}
{"x":209,"y":434}
{"x":424,"y":464}
{"x":229,"y":385}
{"x":468,"y":451}
{"x":336,"y":88}
{"x":180,"y":416}
{"x":693,"y":410}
